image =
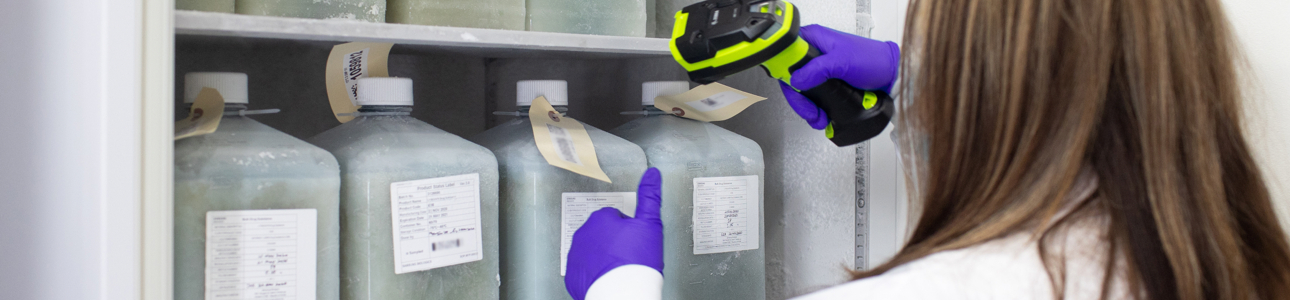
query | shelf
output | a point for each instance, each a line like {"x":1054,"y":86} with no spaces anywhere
{"x":466,"y":41}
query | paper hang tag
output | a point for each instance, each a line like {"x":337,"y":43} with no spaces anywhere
{"x":708,"y":103}
{"x":346,"y":64}
{"x":563,"y":141}
{"x":203,"y":118}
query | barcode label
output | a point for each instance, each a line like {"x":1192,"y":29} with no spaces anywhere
{"x":445,"y":245}
{"x":716,"y":102}
{"x":563,"y":144}
{"x":354,"y":68}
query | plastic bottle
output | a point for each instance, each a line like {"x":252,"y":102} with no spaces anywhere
{"x":665,"y":15}
{"x":493,"y":14}
{"x":684,"y":150}
{"x":600,"y":17}
{"x":362,"y":10}
{"x":384,"y":148}
{"x":246,"y":165}
{"x":531,"y":192}
{"x":224,"y":6}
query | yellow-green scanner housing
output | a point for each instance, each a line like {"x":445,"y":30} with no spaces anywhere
{"x":736,"y":37}
{"x":718,"y":38}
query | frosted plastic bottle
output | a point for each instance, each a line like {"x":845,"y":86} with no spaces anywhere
{"x":246,"y":165}
{"x":224,"y":6}
{"x":384,"y":146}
{"x":683,"y":150}
{"x":665,"y":15}
{"x":600,"y":17}
{"x":531,"y":194}
{"x":493,"y":14}
{"x":362,"y":10}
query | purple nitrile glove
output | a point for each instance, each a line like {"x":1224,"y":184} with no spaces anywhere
{"x":610,"y":239}
{"x":861,"y":62}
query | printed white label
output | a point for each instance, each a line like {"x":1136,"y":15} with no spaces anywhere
{"x":436,"y":222}
{"x":355,"y":67}
{"x":726,"y":216}
{"x":716,"y":102}
{"x":563,"y":144}
{"x":261,"y":254}
{"x":575,"y":208}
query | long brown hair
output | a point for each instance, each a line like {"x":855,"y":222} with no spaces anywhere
{"x":1006,"y":101}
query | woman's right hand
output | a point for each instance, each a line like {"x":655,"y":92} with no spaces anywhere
{"x":861,"y":62}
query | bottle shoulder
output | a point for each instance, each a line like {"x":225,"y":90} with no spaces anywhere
{"x":238,"y":133}
{"x":513,"y":142}
{"x":671,"y":135}
{"x":240,"y":143}
{"x":385,"y":134}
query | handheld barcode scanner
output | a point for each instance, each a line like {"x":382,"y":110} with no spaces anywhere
{"x":718,"y":38}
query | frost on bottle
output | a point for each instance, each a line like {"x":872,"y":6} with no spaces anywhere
{"x":361,"y":10}
{"x":223,"y":6}
{"x":420,"y":204}
{"x":534,"y":229}
{"x":492,"y":14}
{"x":599,"y":17}
{"x":246,"y":198}
{"x":665,"y":15}
{"x":713,"y":228}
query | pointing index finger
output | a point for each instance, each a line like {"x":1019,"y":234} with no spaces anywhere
{"x":649,"y":196}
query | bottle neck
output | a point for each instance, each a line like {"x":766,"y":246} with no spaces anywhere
{"x":239,"y":110}
{"x":232,"y":107}
{"x":228,"y":107}
{"x":563,"y":109}
{"x":651,"y":111}
{"x":406,"y":110}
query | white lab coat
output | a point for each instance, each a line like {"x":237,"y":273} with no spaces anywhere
{"x":1006,"y":268}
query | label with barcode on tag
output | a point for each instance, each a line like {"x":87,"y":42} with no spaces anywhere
{"x":563,"y":141}
{"x":716,"y":102}
{"x":564,"y":144}
{"x":354,"y":67}
{"x":708,"y":103}
{"x":345,"y":65}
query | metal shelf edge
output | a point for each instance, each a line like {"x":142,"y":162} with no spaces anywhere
{"x":232,"y":25}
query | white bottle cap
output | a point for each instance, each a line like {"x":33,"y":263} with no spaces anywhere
{"x":385,"y":91}
{"x":555,"y":91}
{"x":652,"y":89}
{"x":231,"y":86}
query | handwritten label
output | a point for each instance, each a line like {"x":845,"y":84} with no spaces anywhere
{"x":575,"y":208}
{"x":436,"y":222}
{"x":726,"y":216}
{"x":261,"y":254}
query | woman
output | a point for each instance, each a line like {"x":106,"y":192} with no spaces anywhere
{"x":1076,"y":149}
